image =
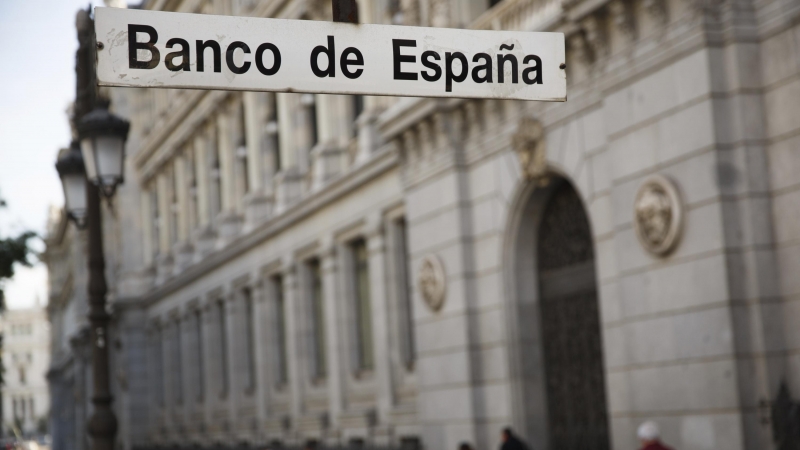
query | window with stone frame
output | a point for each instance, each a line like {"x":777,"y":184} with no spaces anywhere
{"x":405,"y":305}
{"x":156,"y":363}
{"x":222,"y":327}
{"x":214,"y":174}
{"x":358,"y":108}
{"x":155,"y":222}
{"x":174,"y":207}
{"x":272,"y":131}
{"x":191,"y":187}
{"x":249,"y":341}
{"x":176,"y":362}
{"x":362,"y":305}
{"x":317,"y":318}
{"x":199,"y":359}
{"x":242,"y":182}
{"x":280,"y":342}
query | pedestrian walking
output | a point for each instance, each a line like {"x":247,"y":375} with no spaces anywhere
{"x":650,"y":436}
{"x":510,"y":441}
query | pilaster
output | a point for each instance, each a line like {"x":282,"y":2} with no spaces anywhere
{"x":376,"y":247}
{"x":330,"y":292}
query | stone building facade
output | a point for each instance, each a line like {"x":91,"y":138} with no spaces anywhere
{"x":295,"y":267}
{"x":26,"y":358}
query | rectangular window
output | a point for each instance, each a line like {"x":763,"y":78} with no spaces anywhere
{"x":199,"y":368}
{"x":156,"y":221}
{"x":194,"y":214}
{"x":223,"y":348}
{"x":404,"y":304}
{"x":363,"y":307}
{"x":358,"y":108}
{"x":317,"y":308}
{"x":157,"y":370}
{"x":215,"y":175}
{"x":177,"y":373}
{"x":249,"y":340}
{"x":241,"y":152}
{"x":174,"y":208}
{"x":272,"y":130}
{"x":281,"y":353}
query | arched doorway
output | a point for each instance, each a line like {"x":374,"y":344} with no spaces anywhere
{"x":570,"y":325}
{"x":554,"y":322}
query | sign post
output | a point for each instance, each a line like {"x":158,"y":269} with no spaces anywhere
{"x":157,"y":49}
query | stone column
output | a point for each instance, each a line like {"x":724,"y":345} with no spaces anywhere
{"x":289,"y":181}
{"x":261,"y":343}
{"x":376,"y":246}
{"x":183,"y":248}
{"x":291,"y":302}
{"x":150,"y":241}
{"x":327,"y":157}
{"x":164,"y":263}
{"x":257,"y":201}
{"x":210,"y":360}
{"x":233,"y":392}
{"x":204,"y":234}
{"x":228,"y":220}
{"x":331,"y":298}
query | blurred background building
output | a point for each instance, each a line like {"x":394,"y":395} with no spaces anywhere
{"x":26,"y":357}
{"x":420,"y":272}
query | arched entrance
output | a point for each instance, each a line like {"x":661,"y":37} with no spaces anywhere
{"x":570,"y":326}
{"x":555,"y":322}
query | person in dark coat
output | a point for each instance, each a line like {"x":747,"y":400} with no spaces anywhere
{"x":650,"y":437}
{"x":510,"y":441}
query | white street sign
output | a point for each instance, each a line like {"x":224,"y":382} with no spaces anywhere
{"x":174,"y":50}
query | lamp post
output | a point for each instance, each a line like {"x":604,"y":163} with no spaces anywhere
{"x":102,"y":141}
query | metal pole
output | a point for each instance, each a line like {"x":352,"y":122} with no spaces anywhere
{"x":103,"y":423}
{"x":345,"y":11}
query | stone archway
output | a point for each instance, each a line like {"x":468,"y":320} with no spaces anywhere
{"x":555,"y":329}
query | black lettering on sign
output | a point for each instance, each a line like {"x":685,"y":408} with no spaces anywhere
{"x":276,"y":59}
{"x":449,"y":76}
{"x":330,"y":52}
{"x":486,"y":67}
{"x":133,"y":47}
{"x":537,"y":67}
{"x":426,"y":61}
{"x":238,"y":70}
{"x":501,"y":60}
{"x":346,"y":62}
{"x":398,"y":59}
{"x":214,"y":46}
{"x":169,"y":60}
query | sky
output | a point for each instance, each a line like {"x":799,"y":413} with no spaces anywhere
{"x":37,"y":84}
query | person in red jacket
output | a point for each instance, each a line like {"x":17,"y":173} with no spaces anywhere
{"x":650,"y":437}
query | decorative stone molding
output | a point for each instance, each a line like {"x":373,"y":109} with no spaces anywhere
{"x":622,"y":15}
{"x":658,"y":215}
{"x":595,"y":35}
{"x":529,"y":144}
{"x":657,"y":9}
{"x":580,"y":48}
{"x":432,"y":282}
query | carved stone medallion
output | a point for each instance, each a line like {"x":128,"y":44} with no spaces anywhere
{"x":528,"y":143}
{"x":432,"y":282}
{"x":658,"y":215}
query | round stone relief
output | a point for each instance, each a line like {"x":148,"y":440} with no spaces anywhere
{"x":658,"y":215}
{"x":432,"y":282}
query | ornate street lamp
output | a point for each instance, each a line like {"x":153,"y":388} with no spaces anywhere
{"x":102,"y":136}
{"x":73,"y":179}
